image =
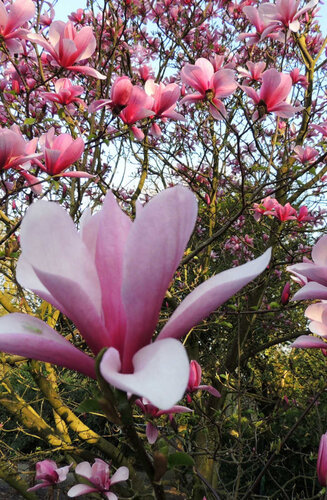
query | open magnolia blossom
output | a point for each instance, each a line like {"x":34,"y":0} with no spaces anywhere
{"x":110,"y":279}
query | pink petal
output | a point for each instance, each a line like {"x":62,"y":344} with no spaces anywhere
{"x":63,"y":274}
{"x":85,"y":43}
{"x":251,"y":93}
{"x":81,"y":489}
{"x":121,"y":474}
{"x":315,"y":312}
{"x":113,"y":230}
{"x":161,"y":372}
{"x":319,"y":251}
{"x":154,"y":248}
{"x":27,"y":336}
{"x":20,"y":12}
{"x":218,"y":111}
{"x":318,"y":328}
{"x":87,"y":70}
{"x":309,"y":342}
{"x":208,"y":296}
{"x":311,"y":290}
{"x":224,"y":83}
{"x":84,"y":469}
{"x":210,"y":389}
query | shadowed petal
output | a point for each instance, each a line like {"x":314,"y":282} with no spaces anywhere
{"x":311,"y":291}
{"x":27,"y":336}
{"x":211,"y":294}
{"x":309,"y":342}
{"x":81,"y":489}
{"x":161,"y":372}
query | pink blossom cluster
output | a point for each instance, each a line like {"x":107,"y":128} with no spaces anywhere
{"x":270,"y":206}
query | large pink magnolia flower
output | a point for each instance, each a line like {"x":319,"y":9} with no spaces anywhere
{"x":49,"y":474}
{"x":68,"y":46}
{"x":286,"y":13}
{"x":60,"y":152}
{"x":12,"y":18}
{"x":99,"y":476}
{"x":110,"y":279}
{"x":210,"y":85}
{"x":273,"y":93}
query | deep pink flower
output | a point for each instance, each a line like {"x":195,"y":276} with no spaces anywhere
{"x":152,"y":412}
{"x":297,"y":78}
{"x":110,"y":280}
{"x":284,"y":213}
{"x":194,"y":382}
{"x":165,"y":98}
{"x":322,"y":461}
{"x":65,"y":92}
{"x":49,"y":474}
{"x":303,"y":215}
{"x":210,"y":85}
{"x":120,"y":94}
{"x":99,"y":476}
{"x":273,"y":93}
{"x":15,"y":152}
{"x":60,"y":152}
{"x":139,"y":106}
{"x":12,"y":18}
{"x":266,"y":207}
{"x":68,"y":46}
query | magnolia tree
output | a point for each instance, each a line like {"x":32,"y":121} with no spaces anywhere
{"x":161,"y":165}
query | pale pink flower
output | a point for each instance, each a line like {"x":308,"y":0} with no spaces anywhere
{"x":99,"y":476}
{"x":12,"y":17}
{"x":211,"y":86}
{"x":68,"y":46}
{"x":65,"y":93}
{"x":152,"y":412}
{"x":322,"y":128}
{"x":110,"y":280}
{"x":263,"y":25}
{"x":305,"y":155}
{"x":273,"y":93}
{"x":287,"y":12}
{"x":254,"y":71}
{"x":49,"y":474}
{"x":194,"y":382}
{"x":60,"y":152}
